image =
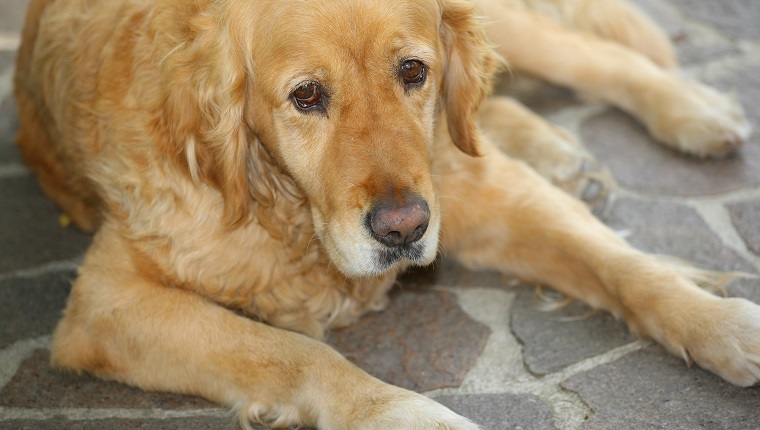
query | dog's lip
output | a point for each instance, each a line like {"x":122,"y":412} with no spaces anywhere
{"x":382,"y":258}
{"x":389,"y":257}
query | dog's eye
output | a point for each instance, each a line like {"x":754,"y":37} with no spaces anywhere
{"x":413,"y":73}
{"x":308,"y":96}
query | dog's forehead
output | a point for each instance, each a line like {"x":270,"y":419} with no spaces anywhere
{"x":351,"y":28}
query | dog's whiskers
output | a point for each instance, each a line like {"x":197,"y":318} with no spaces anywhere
{"x":171,"y":52}
{"x":317,"y":230}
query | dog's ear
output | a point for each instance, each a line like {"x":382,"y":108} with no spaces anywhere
{"x":205,"y":109}
{"x":468,"y":69}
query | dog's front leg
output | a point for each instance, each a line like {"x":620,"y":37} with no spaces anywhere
{"x":122,"y":324}
{"x":500,"y":214}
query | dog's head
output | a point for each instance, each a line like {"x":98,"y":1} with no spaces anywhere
{"x":344,"y":96}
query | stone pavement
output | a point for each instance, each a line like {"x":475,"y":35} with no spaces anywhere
{"x":471,"y":340}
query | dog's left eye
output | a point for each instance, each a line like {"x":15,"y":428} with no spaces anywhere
{"x":307,"y":97}
{"x":413,"y":73}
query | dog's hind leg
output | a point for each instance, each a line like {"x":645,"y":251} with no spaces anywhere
{"x":72,"y":193}
{"x":499,"y":214}
{"x":615,"y":20}
{"x":122,"y":324}
{"x":75,"y":197}
{"x":685,"y":115}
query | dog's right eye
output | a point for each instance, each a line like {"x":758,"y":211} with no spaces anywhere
{"x":307,"y":97}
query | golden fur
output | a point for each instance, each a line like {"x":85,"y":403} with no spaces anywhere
{"x":170,"y":129}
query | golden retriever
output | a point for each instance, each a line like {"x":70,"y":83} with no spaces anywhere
{"x":259,"y":170}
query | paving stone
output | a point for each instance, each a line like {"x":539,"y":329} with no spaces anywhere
{"x":650,"y":389}
{"x":502,"y":411}
{"x":422,"y":341}
{"x":744,"y":83}
{"x":746,"y":219}
{"x":8,"y":126}
{"x":194,"y":423}
{"x":6,"y":60}
{"x":538,"y":96}
{"x":555,"y":339}
{"x":736,"y":18}
{"x":29,"y":228}
{"x":37,"y":385}
{"x":664,"y":15}
{"x":701,"y":43}
{"x":641,"y":164}
{"x":12,"y":18}
{"x":677,"y":230}
{"x":32,"y":307}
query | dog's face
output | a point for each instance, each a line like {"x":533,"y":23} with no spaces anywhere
{"x":346,"y":99}
{"x":345,"y":96}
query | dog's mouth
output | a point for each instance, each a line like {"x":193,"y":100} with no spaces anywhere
{"x":388,"y":258}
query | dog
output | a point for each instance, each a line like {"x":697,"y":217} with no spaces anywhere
{"x":257,"y":172}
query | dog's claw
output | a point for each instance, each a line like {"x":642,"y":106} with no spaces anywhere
{"x":687,"y":357}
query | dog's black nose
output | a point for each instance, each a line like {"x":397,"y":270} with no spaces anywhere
{"x":397,"y":224}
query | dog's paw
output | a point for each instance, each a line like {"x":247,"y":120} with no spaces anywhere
{"x":404,"y":411}
{"x":697,"y":120}
{"x":726,"y":341}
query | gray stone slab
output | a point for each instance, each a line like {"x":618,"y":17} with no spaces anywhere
{"x":744,"y":83}
{"x":29,"y":227}
{"x":195,"y":423}
{"x":539,"y":96}
{"x":8,"y":126}
{"x":12,"y":16}
{"x":555,"y":339}
{"x":31,"y":307}
{"x":746,"y":219}
{"x":737,"y":19}
{"x":37,"y":385}
{"x":650,"y":389}
{"x":6,"y":60}
{"x":502,"y":411}
{"x":639,"y":163}
{"x":700,"y":43}
{"x":677,"y":230}
{"x":422,"y":341}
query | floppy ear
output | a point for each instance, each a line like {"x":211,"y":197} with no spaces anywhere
{"x":470,"y":64}
{"x":205,"y":107}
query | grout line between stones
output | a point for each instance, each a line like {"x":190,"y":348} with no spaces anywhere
{"x":712,"y":210}
{"x":716,"y":216}
{"x":13,"y":170}
{"x":6,"y":82}
{"x":12,"y":356}
{"x":44,"y":269}
{"x":81,"y":414}
{"x":751,"y":192}
{"x":748,"y":56}
{"x":9,"y":41}
{"x":500,"y":369}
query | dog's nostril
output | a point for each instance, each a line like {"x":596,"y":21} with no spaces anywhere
{"x":397,"y":225}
